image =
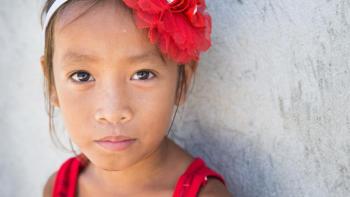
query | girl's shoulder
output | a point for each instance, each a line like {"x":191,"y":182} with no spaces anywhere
{"x":64,"y":178}
{"x":49,"y":185}
{"x":196,"y":177}
{"x":200,"y":180}
{"x":213,"y":188}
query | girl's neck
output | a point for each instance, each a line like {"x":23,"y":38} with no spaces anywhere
{"x":140,"y":174}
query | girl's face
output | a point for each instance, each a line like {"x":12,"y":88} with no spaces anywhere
{"x":110,"y":81}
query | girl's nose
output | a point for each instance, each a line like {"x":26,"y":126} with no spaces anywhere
{"x":113,"y":116}
{"x":114,"y":108}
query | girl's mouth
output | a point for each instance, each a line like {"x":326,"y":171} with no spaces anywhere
{"x":115,"y":143}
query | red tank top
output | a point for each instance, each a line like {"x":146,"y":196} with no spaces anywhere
{"x":188,"y":185}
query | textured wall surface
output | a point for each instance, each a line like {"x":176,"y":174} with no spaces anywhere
{"x":27,"y":156}
{"x":269,"y":107}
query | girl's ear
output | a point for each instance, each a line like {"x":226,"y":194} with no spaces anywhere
{"x":44,"y":67}
{"x":190,"y":70}
{"x":53,"y":94}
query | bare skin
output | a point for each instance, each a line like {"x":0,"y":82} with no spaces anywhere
{"x":110,"y":80}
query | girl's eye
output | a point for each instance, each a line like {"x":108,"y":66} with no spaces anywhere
{"x":143,"y":75}
{"x":81,"y":76}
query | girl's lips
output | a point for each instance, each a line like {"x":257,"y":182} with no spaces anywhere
{"x":116,"y":145}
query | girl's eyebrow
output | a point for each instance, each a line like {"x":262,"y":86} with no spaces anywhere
{"x":72,"y":56}
{"x":145,"y":56}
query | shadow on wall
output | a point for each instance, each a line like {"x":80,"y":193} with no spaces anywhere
{"x":270,"y":109}
{"x":233,"y":154}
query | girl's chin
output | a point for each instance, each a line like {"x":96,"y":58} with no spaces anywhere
{"x":112,"y":162}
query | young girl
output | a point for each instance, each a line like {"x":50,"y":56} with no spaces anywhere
{"x":116,"y":69}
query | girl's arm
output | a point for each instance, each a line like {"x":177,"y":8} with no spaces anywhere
{"x":214,"y":188}
{"x":48,"y":186}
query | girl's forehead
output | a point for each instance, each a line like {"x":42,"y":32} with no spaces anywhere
{"x":93,"y":11}
{"x":105,"y":29}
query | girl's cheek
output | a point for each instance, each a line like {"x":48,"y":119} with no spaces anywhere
{"x":74,"y":99}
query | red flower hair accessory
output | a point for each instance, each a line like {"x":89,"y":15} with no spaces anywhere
{"x":181,"y":28}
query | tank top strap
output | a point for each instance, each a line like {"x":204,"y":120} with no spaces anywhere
{"x":188,"y":185}
{"x":195,"y":176}
{"x":67,"y":176}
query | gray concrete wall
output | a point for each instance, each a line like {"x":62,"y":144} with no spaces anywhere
{"x":269,"y":107}
{"x":27,"y":156}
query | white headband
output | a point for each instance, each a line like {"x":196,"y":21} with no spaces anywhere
{"x":57,"y":4}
